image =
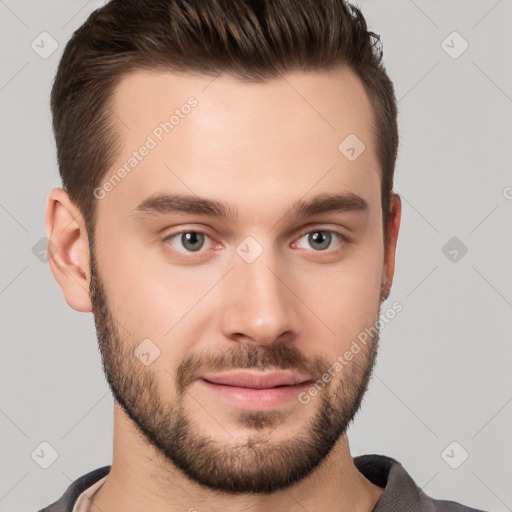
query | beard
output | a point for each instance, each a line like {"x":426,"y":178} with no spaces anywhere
{"x":257,"y":464}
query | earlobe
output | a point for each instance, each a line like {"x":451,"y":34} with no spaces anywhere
{"x":393,"y":227}
{"x":68,"y":249}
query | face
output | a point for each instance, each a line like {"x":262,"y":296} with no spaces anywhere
{"x":236,"y":260}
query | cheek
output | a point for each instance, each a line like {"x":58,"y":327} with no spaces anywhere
{"x":133,"y":285}
{"x":150,"y":297}
{"x":346,"y":297}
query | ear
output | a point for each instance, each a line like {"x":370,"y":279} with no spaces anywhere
{"x":395,"y":212}
{"x":68,"y":249}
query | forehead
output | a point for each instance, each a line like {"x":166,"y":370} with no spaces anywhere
{"x":213,"y":136}
{"x":329,"y":101}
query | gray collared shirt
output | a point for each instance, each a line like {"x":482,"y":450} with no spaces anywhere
{"x":401,"y":494}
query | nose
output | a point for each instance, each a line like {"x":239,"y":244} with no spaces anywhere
{"x":259,"y":306}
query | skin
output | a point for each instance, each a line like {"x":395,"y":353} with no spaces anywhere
{"x":260,"y":148}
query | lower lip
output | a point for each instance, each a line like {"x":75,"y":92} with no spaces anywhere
{"x":256,"y":399}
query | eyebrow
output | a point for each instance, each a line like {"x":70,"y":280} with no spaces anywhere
{"x":178,"y":203}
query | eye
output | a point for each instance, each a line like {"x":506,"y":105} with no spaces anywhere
{"x":191,"y":241}
{"x":321,"y":240}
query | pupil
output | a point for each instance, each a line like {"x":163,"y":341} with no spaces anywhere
{"x":322,"y":238}
{"x":190,"y":240}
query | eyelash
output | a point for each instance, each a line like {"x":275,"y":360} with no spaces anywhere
{"x":342,"y":240}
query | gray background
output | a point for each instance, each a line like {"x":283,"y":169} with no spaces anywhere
{"x":443,"y":373}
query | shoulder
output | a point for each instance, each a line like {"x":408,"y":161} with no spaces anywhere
{"x":452,"y":506}
{"x":66,"y":502}
{"x":400,"y":491}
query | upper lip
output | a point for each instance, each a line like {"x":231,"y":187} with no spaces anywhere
{"x":256,"y":380}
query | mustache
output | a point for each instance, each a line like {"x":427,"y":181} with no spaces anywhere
{"x":244,"y":357}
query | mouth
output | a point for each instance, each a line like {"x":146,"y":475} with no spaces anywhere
{"x":255,"y":391}
{"x":257,"y":380}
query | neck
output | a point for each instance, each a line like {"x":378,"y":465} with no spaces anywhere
{"x":141,"y":479}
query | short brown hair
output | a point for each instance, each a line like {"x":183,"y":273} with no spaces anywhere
{"x":252,"y":40}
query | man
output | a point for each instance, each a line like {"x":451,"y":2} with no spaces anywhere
{"x":205,"y":149}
